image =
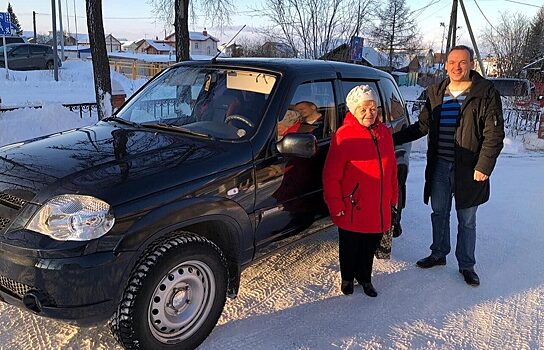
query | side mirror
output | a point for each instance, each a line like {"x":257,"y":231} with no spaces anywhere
{"x":298,"y":145}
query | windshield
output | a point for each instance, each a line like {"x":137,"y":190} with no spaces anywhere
{"x":221,"y":103}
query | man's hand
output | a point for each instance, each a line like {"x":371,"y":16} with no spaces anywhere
{"x":479,"y":176}
{"x":340,"y":213}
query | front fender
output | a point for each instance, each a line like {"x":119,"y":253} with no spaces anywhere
{"x":178,"y":215}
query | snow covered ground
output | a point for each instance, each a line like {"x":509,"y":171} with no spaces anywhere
{"x":291,"y":299}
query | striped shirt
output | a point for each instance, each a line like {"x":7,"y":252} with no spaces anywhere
{"x":449,"y":119}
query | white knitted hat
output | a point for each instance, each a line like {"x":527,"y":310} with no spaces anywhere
{"x":359,"y":94}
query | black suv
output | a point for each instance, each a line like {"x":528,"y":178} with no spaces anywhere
{"x":147,"y":218}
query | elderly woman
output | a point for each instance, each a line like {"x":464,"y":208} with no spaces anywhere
{"x":360,"y":186}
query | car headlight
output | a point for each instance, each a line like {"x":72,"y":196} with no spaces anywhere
{"x":72,"y":217}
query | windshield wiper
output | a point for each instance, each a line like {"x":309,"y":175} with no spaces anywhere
{"x":121,"y":121}
{"x":165,"y":126}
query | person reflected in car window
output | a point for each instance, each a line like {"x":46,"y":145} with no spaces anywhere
{"x":312,"y":120}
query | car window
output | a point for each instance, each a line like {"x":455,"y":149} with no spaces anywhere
{"x":347,"y":85}
{"x":20,"y":51}
{"x":394,"y":105}
{"x":37,"y":50}
{"x":311,"y":110}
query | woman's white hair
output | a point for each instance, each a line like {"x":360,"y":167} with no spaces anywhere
{"x":359,"y":94}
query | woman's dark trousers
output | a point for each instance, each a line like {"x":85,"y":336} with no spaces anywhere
{"x":356,"y":252}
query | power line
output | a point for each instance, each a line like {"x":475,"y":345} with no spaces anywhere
{"x":482,"y":12}
{"x":522,"y":3}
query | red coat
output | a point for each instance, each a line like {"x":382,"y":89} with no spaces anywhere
{"x":353,"y":168}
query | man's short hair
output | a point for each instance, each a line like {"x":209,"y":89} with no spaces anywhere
{"x":463,"y":47}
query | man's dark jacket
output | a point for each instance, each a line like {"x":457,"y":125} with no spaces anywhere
{"x":478,"y":138}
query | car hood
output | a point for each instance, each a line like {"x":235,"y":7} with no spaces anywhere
{"x":111,"y":161}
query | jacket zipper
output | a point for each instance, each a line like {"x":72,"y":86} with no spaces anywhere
{"x":375,"y":139}
{"x":351,"y":197}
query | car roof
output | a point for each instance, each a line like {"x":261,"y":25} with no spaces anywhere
{"x":26,"y":44}
{"x":295,"y":66}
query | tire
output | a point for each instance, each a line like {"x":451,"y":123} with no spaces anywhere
{"x":174,"y":296}
{"x":50,"y":65}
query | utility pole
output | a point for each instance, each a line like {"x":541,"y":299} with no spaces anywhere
{"x":55,"y":48}
{"x":441,"y":64}
{"x":34,"y":22}
{"x":67,"y":17}
{"x":77,"y":39}
{"x":61,"y":33}
{"x":473,"y":40}
{"x":452,"y":32}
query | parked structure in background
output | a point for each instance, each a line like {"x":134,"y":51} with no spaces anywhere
{"x":200,"y":43}
{"x":112,"y":43}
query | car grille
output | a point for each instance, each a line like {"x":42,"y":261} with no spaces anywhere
{"x":4,"y":222}
{"x":11,"y":201}
{"x":20,"y":289}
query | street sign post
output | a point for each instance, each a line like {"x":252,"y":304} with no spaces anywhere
{"x":5,"y":28}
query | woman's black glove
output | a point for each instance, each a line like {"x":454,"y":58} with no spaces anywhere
{"x":395,"y":221}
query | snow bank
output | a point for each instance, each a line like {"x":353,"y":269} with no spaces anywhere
{"x":75,"y":85}
{"x":28,"y":123}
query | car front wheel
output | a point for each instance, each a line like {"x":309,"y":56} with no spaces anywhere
{"x":174,"y":297}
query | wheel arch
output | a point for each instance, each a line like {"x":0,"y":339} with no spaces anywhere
{"x":221,"y":221}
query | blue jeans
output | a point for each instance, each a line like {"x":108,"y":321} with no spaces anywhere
{"x":442,"y":189}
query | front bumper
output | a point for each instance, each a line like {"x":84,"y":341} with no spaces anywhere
{"x":81,"y":290}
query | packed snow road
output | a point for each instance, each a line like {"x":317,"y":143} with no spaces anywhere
{"x":291,"y":299}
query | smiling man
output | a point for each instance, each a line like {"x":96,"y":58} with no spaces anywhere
{"x":463,"y":119}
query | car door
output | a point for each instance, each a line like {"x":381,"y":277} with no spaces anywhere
{"x":37,"y":57}
{"x":289,"y":189}
{"x":19,"y":58}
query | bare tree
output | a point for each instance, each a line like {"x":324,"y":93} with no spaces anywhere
{"x":101,"y":66}
{"x":507,"y":42}
{"x":263,"y":47}
{"x":314,"y":27}
{"x":176,"y":12}
{"x":397,"y":32}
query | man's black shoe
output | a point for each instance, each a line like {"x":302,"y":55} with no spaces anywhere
{"x":470,"y":277}
{"x":430,"y":261}
{"x":397,"y":230}
{"x":347,"y":287}
{"x":369,"y":290}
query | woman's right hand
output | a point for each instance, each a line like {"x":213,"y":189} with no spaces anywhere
{"x":340,"y":213}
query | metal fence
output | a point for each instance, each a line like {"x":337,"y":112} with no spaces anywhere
{"x":137,"y":70}
{"x":518,"y":120}
{"x":89,"y":109}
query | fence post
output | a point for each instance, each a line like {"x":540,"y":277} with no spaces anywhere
{"x":133,"y":70}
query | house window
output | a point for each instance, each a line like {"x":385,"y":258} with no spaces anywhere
{"x":196,"y":45}
{"x":209,"y":51}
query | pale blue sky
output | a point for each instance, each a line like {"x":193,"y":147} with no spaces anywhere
{"x":132,"y":19}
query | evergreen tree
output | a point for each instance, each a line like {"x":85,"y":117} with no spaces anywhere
{"x":397,"y":33}
{"x":14,"y":20}
{"x":534,"y":48}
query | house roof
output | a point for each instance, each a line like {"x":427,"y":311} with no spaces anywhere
{"x":159,"y":45}
{"x":193,"y":36}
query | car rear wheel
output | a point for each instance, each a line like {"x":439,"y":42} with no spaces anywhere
{"x":50,"y":65}
{"x":174,"y":297}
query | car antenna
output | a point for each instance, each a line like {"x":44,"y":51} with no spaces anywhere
{"x":226,"y":45}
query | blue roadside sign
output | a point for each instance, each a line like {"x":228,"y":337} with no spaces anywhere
{"x":5,"y":23}
{"x":357,"y":48}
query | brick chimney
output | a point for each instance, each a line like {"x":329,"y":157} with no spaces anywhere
{"x":205,"y":32}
